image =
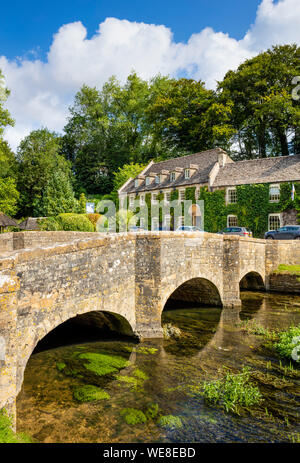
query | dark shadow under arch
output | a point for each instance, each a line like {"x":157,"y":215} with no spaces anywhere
{"x":88,"y":327}
{"x":194,"y":292}
{"x":252,"y":281}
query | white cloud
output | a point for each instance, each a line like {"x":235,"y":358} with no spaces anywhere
{"x":41,"y":92}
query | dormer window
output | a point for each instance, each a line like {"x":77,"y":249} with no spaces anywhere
{"x":157,"y":179}
{"x":172,"y":176}
{"x":136,"y":183}
{"x":147,"y":180}
{"x":187,"y":173}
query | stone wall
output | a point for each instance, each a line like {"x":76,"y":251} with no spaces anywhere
{"x":285,"y":283}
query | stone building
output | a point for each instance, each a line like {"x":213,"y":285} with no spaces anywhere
{"x":214,"y":170}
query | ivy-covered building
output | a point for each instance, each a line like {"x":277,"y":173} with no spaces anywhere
{"x":259,"y":194}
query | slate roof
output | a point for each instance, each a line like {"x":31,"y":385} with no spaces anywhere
{"x":6,"y":221}
{"x":205,"y":160}
{"x":30,"y":224}
{"x":266,"y":170}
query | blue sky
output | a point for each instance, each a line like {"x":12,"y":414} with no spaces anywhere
{"x":27,"y":26}
{"x":48,"y":50}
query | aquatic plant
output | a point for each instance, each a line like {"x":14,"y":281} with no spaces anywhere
{"x":102,"y":364}
{"x":140,"y":374}
{"x":232,"y":391}
{"x":152,"y":411}
{"x":7,"y":436}
{"x":133,"y":416}
{"x":89,"y":393}
{"x":254,"y":327}
{"x":146,"y":350}
{"x":170,"y":422}
{"x":60,"y":366}
{"x":133,"y":382}
{"x":288,"y":344}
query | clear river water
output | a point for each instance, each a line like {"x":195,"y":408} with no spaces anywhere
{"x":165,"y":377}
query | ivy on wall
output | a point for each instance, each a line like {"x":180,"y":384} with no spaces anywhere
{"x":252,"y":207}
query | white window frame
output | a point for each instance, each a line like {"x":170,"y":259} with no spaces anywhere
{"x":228,"y":197}
{"x":154,"y":199}
{"x":142,"y":222}
{"x":187,"y":173}
{"x":172,"y":177}
{"x":166,"y":200}
{"x":274,"y":198}
{"x":157,"y":179}
{"x":279,"y":216}
{"x":147,"y":181}
{"x":131,"y":200}
{"x":136,"y":183}
{"x":180,"y":194}
{"x":231,"y":216}
{"x":142,"y":199}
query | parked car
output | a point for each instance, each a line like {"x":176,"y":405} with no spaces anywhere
{"x":241,"y":231}
{"x":288,"y":232}
{"x":188,"y":228}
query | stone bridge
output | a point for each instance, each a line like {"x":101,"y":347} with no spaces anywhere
{"x":47,"y":278}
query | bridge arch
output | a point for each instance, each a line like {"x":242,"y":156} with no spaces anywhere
{"x":199,"y":290}
{"x":115,"y":321}
{"x":252,"y":280}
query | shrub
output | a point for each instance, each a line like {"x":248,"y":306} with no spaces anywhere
{"x":7,"y":436}
{"x":286,"y":341}
{"x":93,"y":218}
{"x":50,"y":224}
{"x":75,"y":222}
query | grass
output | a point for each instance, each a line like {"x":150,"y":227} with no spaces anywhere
{"x":293,"y":269}
{"x":233,"y":391}
{"x":253,"y":327}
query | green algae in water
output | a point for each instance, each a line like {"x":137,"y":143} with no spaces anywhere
{"x":60,"y":366}
{"x":7,"y":436}
{"x":140,"y":374}
{"x":170,"y":422}
{"x":90,"y":393}
{"x":152,"y":411}
{"x":132,"y":416}
{"x":102,"y":364}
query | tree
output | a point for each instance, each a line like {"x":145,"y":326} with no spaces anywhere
{"x":187,"y":116}
{"x":38,"y":160}
{"x":263,"y":113}
{"x":125,"y":172}
{"x":5,"y":118}
{"x":58,"y":196}
{"x":9,"y":196}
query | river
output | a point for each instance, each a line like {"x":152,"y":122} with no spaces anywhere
{"x":163,"y":378}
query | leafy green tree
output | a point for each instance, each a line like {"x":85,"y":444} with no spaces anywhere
{"x":5,"y":118}
{"x":9,"y":196}
{"x":263,"y":112}
{"x":38,"y":160}
{"x":82,"y":203}
{"x":125,"y":172}
{"x":58,"y":196}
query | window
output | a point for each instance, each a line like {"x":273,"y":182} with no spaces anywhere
{"x":142,"y":222}
{"x":172,"y":176}
{"x":142,"y":200}
{"x":274,"y":193}
{"x":274,"y":221}
{"x":187,"y":173}
{"x":167,"y":196}
{"x":181,"y":195}
{"x":147,"y":180}
{"x":157,"y":179}
{"x":131,"y":201}
{"x":154,"y":198}
{"x":232,"y":221}
{"x":136,"y":183}
{"x":231,"y":196}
